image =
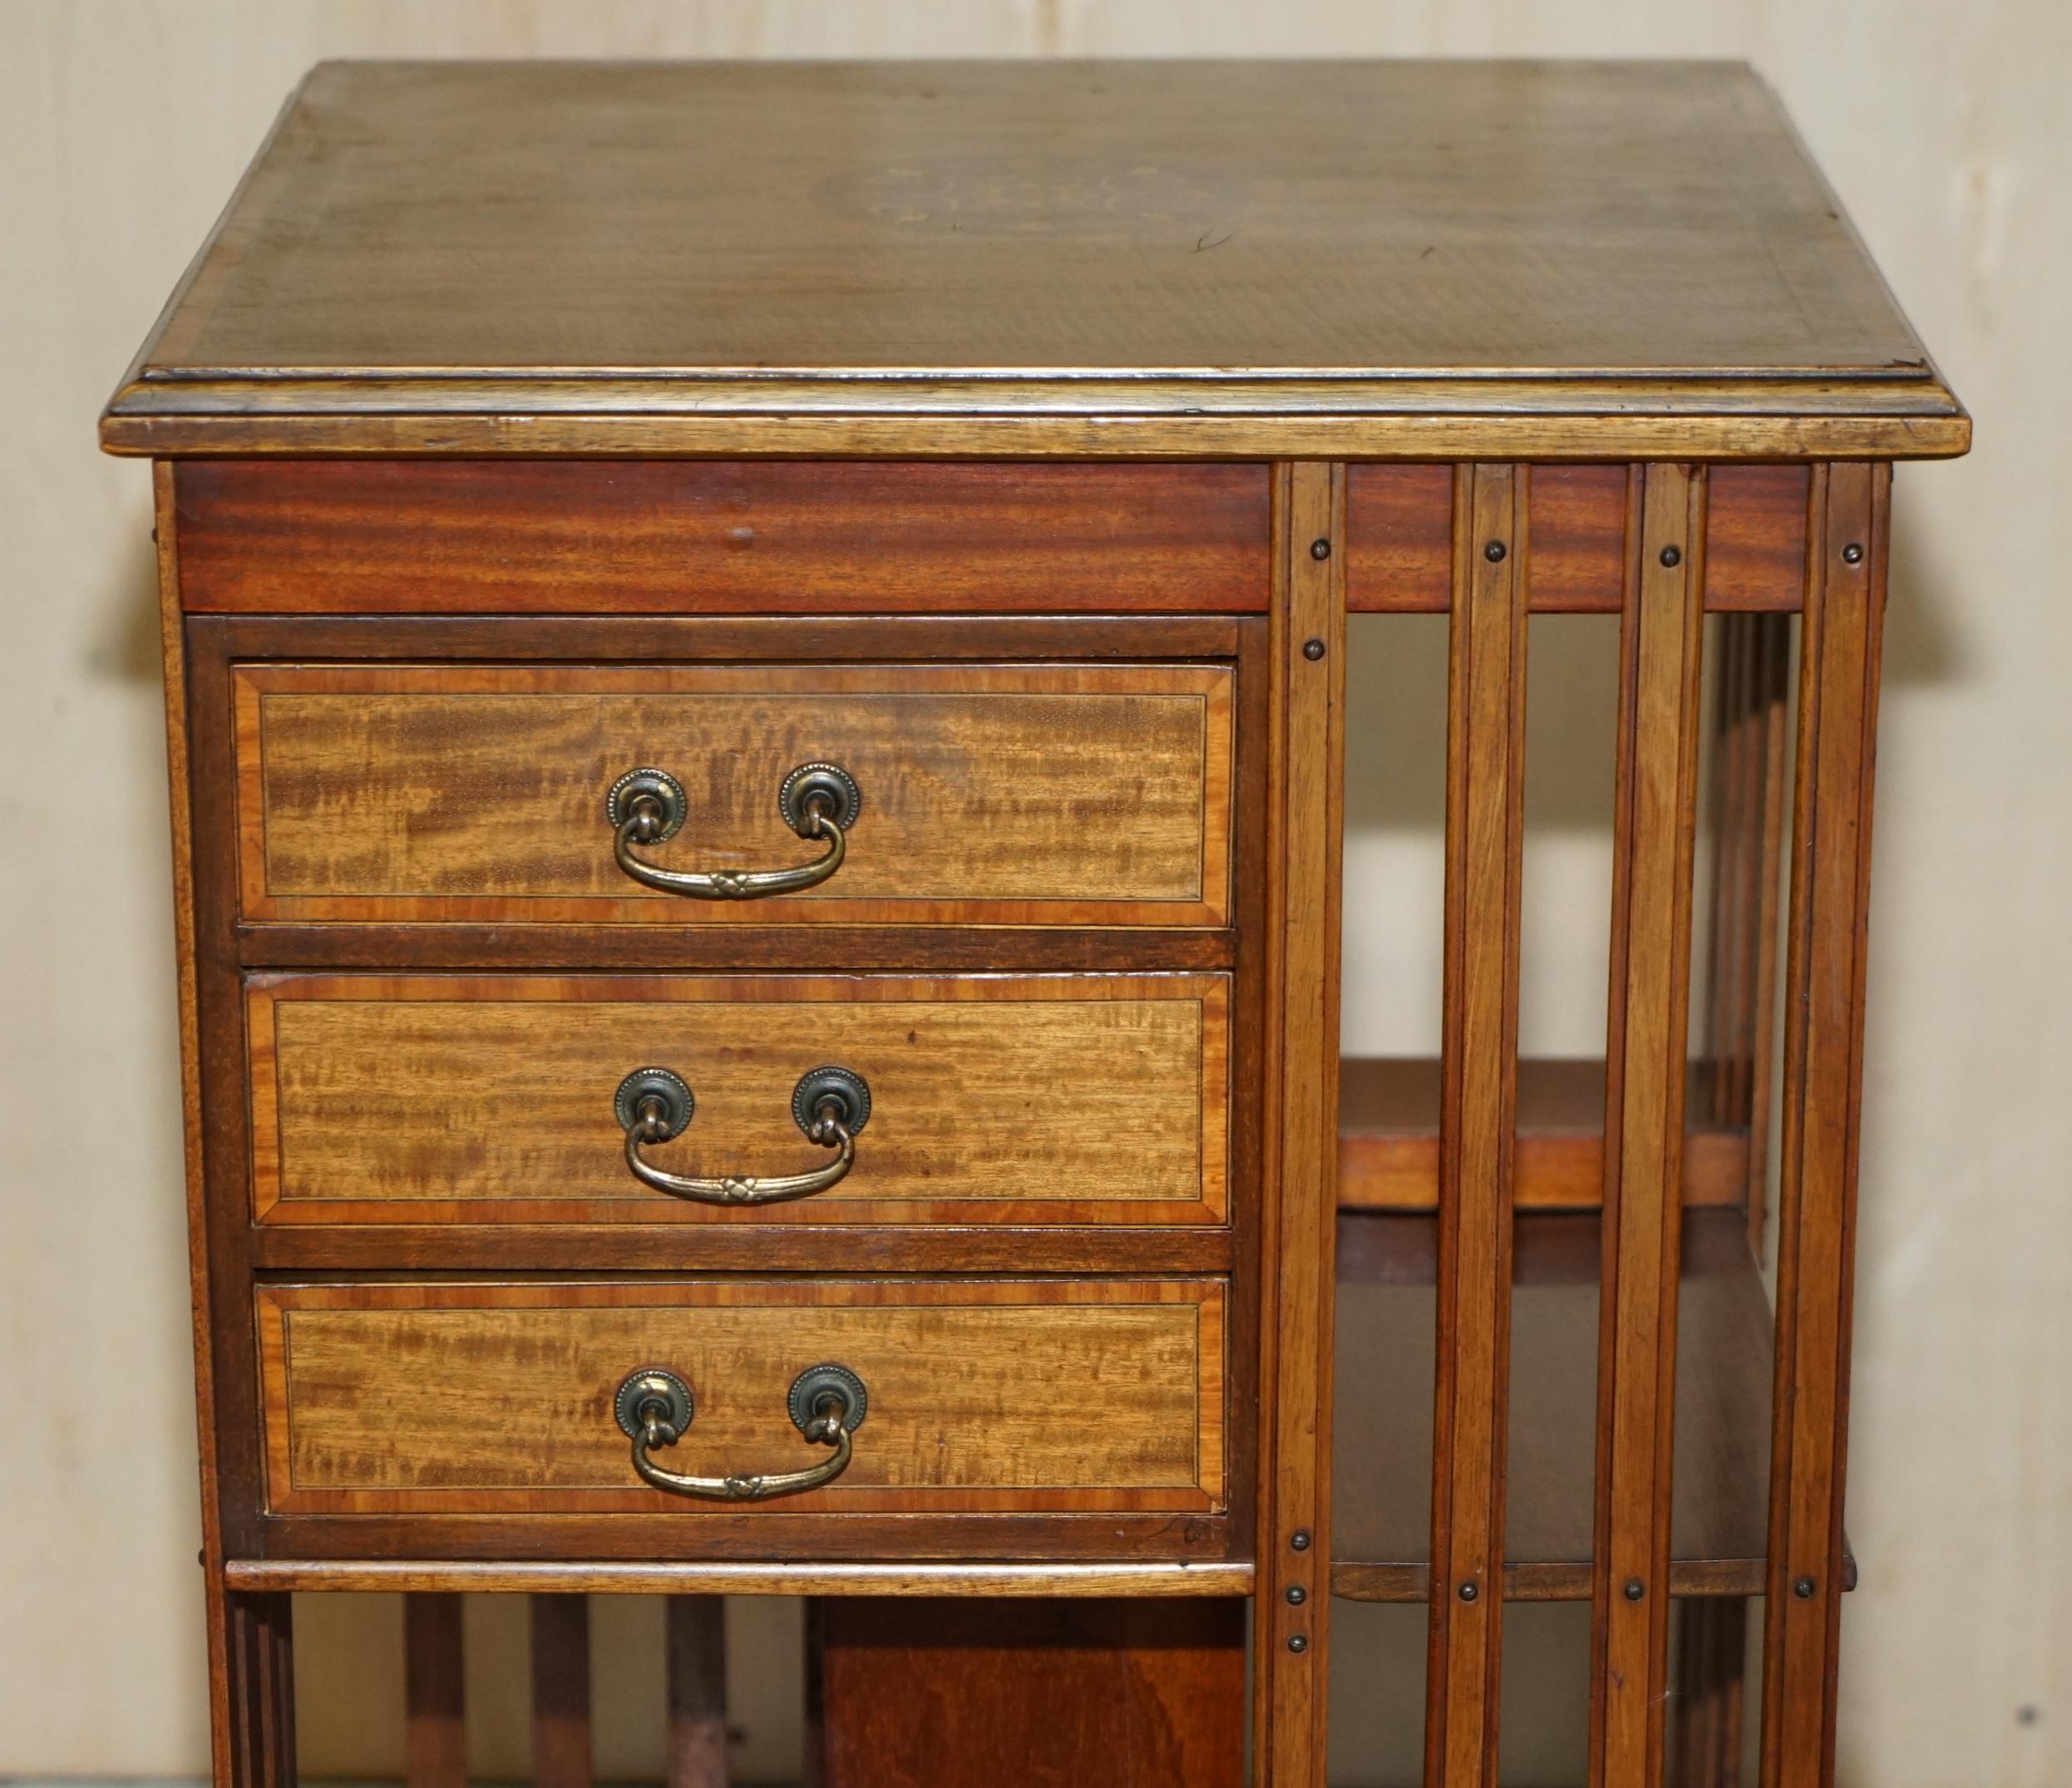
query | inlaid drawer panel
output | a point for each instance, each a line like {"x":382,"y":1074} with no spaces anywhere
{"x":478,"y":1099}
{"x":1027,"y":794}
{"x":984,"y":1396}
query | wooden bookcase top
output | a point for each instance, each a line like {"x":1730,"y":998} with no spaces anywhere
{"x":1405,"y":258}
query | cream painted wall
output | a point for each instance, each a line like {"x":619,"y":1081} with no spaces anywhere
{"x":122,"y":126}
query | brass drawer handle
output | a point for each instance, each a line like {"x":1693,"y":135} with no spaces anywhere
{"x":830,"y":1104}
{"x":826,"y":1404}
{"x":817,"y":801}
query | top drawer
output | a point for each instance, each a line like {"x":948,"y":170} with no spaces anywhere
{"x":712,"y":537}
{"x":989,"y":793}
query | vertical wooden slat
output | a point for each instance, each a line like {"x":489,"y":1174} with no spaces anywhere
{"x":1646,"y":1072}
{"x":561,"y":1691}
{"x":1709,"y":1666}
{"x":697,"y":1692}
{"x":260,"y":1677}
{"x":1823,"y":1038}
{"x":1478,"y":1122}
{"x":435,"y":1734}
{"x":1307,"y":749}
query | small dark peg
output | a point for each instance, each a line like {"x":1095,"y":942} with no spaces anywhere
{"x":1298,"y":1642}
{"x":1493,"y":552}
{"x":1803,"y":1588}
{"x":1672,"y":556}
{"x":1320,"y":549}
{"x":1853,"y":555}
{"x":1301,"y":1541}
{"x":1469,"y":1592}
{"x":1635,"y":1588}
{"x":1297,"y":1595}
{"x":1313,"y":649}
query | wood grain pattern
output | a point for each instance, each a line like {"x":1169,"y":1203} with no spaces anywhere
{"x":1824,"y":1079}
{"x":742,"y":537}
{"x":1389,"y":1139}
{"x":974,"y":1694}
{"x":488,"y":1099}
{"x":1078,"y":1578}
{"x":1646,"y":1070}
{"x":1400,"y":519}
{"x":1755,"y":538}
{"x":1387,"y":1269}
{"x":1479,"y":1120}
{"x":1005,"y":243}
{"x":994,"y":1395}
{"x":1003,"y":794}
{"x":1306,"y":842}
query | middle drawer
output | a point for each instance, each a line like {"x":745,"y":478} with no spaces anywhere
{"x":466,"y":1100}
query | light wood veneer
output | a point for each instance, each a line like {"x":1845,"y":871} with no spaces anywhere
{"x":985,"y":1395}
{"x":1008,"y":794}
{"x":477,"y":1099}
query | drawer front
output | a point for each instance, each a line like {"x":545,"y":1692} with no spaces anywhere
{"x":501,"y":537}
{"x":476,"y":1099}
{"x":990,"y":1396}
{"x":991,"y":794}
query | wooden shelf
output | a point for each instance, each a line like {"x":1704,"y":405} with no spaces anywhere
{"x":1382,"y":1450}
{"x":1388,"y":1138}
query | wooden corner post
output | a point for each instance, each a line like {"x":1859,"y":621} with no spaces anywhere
{"x":1305,"y":802}
{"x":1823,"y":1074}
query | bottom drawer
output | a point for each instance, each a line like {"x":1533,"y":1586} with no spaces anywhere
{"x":980,"y":1396}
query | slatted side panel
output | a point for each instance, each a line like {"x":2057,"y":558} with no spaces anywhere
{"x":1477,"y":1124}
{"x":258,"y":1662}
{"x":1660,"y":631}
{"x":435,"y":1712}
{"x":1750,"y":721}
{"x":1823,"y":1036}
